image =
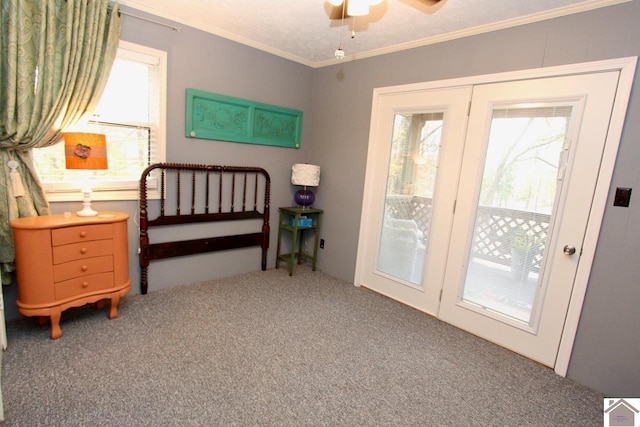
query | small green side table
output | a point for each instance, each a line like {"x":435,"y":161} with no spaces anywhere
{"x":290,"y":221}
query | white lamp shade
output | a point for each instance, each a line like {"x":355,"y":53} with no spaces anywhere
{"x":305,"y":174}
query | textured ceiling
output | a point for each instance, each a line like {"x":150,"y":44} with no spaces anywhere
{"x":302,"y":31}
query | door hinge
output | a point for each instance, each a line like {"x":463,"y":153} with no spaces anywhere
{"x":440,"y":298}
{"x":455,"y":202}
{"x":469,"y":109}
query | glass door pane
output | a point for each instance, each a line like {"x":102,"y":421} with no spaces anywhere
{"x":413,"y":166}
{"x":523,"y":167}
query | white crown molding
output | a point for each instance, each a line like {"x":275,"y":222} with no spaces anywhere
{"x":481,"y":29}
{"x":508,"y":23}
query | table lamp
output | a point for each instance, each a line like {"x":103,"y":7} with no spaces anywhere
{"x":85,"y":151}
{"x":308,"y":176}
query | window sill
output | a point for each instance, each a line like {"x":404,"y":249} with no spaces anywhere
{"x":74,"y":196}
{"x":113,"y":191}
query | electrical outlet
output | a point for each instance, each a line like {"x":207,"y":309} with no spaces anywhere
{"x":321,"y":243}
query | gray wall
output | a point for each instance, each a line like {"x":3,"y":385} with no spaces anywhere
{"x":607,"y":347}
{"x":199,"y":60}
{"x":336,"y":102}
{"x":202,"y":61}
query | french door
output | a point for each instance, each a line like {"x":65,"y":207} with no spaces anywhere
{"x":405,"y":253}
{"x":477,"y":201}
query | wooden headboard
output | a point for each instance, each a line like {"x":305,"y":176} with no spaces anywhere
{"x":192,"y":194}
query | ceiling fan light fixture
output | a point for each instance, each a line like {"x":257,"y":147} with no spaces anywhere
{"x":358,"y":7}
{"x":335,"y":2}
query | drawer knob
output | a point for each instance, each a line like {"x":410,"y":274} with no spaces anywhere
{"x":85,"y":284}
{"x":83,"y":234}
{"x":84,"y":268}
{"x":83,"y":250}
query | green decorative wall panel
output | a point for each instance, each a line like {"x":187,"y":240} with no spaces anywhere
{"x":224,"y":118}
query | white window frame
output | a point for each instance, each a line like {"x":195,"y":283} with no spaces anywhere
{"x":117,"y":189}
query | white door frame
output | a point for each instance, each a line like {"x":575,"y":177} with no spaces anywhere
{"x":627,"y":67}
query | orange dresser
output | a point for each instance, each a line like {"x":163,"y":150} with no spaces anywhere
{"x":69,"y":261}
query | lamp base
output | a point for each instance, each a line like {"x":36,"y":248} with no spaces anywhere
{"x":304,"y":198}
{"x":87,"y":212}
{"x":86,"y":206}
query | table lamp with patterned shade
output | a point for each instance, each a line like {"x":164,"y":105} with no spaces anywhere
{"x":307,"y":176}
{"x":85,"y":151}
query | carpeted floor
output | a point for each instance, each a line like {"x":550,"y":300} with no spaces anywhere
{"x":272,"y":350}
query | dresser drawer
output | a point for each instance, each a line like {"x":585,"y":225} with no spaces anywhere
{"x":84,"y":284}
{"x":82,"y":267}
{"x":64,"y":236}
{"x":74,"y":251}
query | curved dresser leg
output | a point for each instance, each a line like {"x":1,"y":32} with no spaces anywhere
{"x":113,"y":310}
{"x":56,"y":332}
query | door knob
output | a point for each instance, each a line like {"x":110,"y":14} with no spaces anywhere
{"x":569,"y":249}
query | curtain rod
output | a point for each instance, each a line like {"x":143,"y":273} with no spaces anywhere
{"x":149,"y":20}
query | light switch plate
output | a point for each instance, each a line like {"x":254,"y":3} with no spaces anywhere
{"x":623,"y":197}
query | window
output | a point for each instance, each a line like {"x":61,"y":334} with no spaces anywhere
{"x":131,"y":113}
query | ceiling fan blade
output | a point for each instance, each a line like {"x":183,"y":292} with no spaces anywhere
{"x":429,"y":2}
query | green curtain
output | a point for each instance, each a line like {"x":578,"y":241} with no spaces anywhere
{"x":55,"y":59}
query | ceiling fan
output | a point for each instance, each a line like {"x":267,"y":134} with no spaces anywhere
{"x":349,"y":8}
{"x":341,"y":9}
